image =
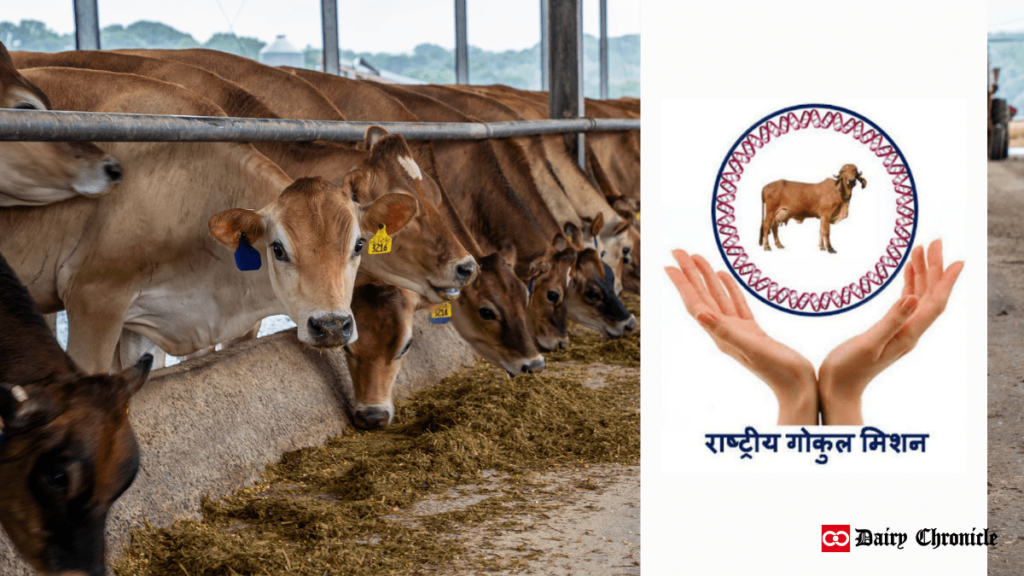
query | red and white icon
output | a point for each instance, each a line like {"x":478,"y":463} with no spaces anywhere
{"x":835,"y":538}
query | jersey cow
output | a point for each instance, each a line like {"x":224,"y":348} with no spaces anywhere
{"x":67,"y":450}
{"x":828,"y":201}
{"x":37,"y":173}
{"x":156,"y":258}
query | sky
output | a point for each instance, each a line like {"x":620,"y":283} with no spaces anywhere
{"x":394,"y":26}
{"x":1005,"y":15}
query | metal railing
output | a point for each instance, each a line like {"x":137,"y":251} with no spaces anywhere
{"x":60,"y":126}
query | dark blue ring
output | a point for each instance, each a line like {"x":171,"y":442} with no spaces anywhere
{"x":718,"y":240}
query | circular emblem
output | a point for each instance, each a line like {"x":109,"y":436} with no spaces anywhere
{"x":814,"y":210}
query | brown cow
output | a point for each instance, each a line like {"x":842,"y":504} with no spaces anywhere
{"x":37,"y":173}
{"x":828,"y":201}
{"x":67,"y":450}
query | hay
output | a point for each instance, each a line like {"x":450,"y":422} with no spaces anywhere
{"x":331,"y":509}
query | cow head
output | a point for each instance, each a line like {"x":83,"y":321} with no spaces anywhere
{"x":593,"y":301}
{"x":35,"y":173}
{"x":548,"y":286}
{"x":491,"y":316}
{"x":67,"y":453}
{"x":313,"y":237}
{"x":429,"y":260}
{"x":384,"y":314}
{"x":848,"y":177}
{"x":618,"y":243}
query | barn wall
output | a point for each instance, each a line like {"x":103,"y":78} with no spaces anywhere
{"x":210,"y":425}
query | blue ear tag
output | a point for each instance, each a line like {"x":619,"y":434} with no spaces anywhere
{"x":531,"y":286}
{"x":595,"y":242}
{"x":246,"y":257}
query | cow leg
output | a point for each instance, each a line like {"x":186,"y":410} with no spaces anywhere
{"x":95,"y":319}
{"x":824,"y":243}
{"x":131,"y":346}
{"x":766,"y":228}
{"x":780,"y":218}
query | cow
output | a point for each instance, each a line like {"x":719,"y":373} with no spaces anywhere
{"x":38,"y":173}
{"x":828,"y":201}
{"x":588,"y":302}
{"x":430,"y":260}
{"x":67,"y":450}
{"x":156,"y":258}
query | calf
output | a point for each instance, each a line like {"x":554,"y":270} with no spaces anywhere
{"x":67,"y":450}
{"x":37,"y":173}
{"x":828,"y":201}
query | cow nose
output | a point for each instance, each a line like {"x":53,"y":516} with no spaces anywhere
{"x":631,"y":325}
{"x":533,"y":366}
{"x":331,"y":330}
{"x":464,"y":271}
{"x":371,"y":417}
{"x":113,"y":170}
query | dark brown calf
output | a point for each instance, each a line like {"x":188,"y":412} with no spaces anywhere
{"x":828,"y":201}
{"x":67,"y":451}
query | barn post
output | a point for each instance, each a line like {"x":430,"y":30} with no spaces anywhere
{"x":604,"y":49}
{"x":329,"y":21}
{"x":461,"y":49}
{"x":565,"y":99}
{"x":87,"y":25}
{"x":545,"y":48}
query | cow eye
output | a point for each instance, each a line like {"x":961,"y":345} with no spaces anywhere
{"x":487,"y":314}
{"x":279,"y":252}
{"x":25,"y":106}
{"x":593,"y":295}
{"x":406,"y":349}
{"x":55,"y":481}
{"x":359,"y":246}
{"x":625,"y":250}
{"x":553,"y":296}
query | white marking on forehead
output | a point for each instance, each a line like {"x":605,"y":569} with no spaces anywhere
{"x":410,"y":166}
{"x":568,"y":277}
{"x":19,"y":394}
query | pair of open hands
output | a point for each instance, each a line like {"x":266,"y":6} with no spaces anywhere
{"x":719,"y":306}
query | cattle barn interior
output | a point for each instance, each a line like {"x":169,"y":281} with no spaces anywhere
{"x":459,"y":393}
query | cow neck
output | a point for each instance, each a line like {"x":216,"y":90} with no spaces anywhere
{"x":331,"y":161}
{"x":586,"y":199}
{"x":524,"y":180}
{"x":28,"y":351}
{"x":495,"y":212}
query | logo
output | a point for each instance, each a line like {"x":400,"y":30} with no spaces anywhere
{"x":835,"y":538}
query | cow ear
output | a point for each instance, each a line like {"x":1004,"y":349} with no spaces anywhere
{"x":508,"y":254}
{"x":226,"y":227}
{"x":559,"y":242}
{"x":863,"y":182}
{"x":621,"y":227}
{"x":597,"y":225}
{"x":537,"y":268}
{"x":575,"y":235}
{"x":136,"y":376}
{"x":391,"y":210}
{"x":373,"y":135}
{"x":17,"y":409}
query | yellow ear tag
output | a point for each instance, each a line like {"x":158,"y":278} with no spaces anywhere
{"x":638,"y":215}
{"x":441,"y":313}
{"x":381,"y":242}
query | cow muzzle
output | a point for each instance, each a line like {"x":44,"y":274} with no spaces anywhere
{"x":525,"y":366}
{"x":331,"y":330}
{"x":372,"y":417}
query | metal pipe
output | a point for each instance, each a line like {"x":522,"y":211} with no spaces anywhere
{"x":565,"y":99}
{"x":62,"y":126}
{"x":604,"y":49}
{"x":329,"y":21}
{"x":545,"y":48}
{"x":87,"y":25}
{"x":461,"y":48}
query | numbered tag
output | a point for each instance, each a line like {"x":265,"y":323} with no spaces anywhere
{"x":381,"y":242}
{"x":441,"y":313}
{"x":247,"y":258}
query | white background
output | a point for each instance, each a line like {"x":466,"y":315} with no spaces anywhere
{"x":913,"y":68}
